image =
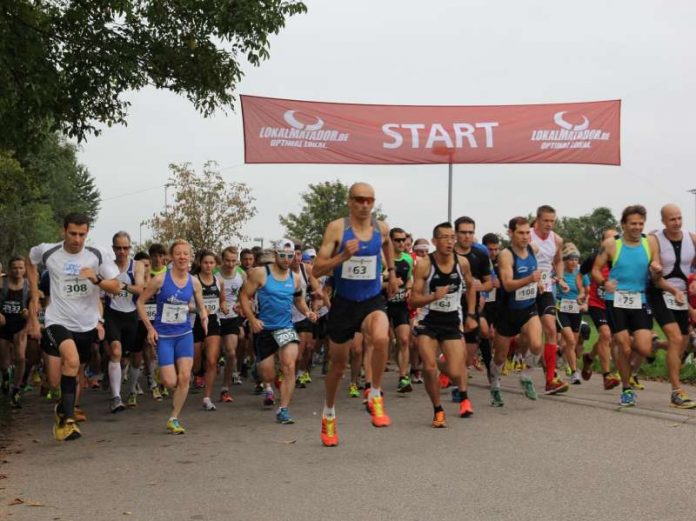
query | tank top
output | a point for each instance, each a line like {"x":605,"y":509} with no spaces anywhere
{"x":547,"y":252}
{"x":275,"y":301}
{"x":232,"y":286}
{"x":123,"y":301}
{"x":676,"y":258}
{"x":573,"y":290}
{"x":297,"y":316}
{"x":522,"y":267}
{"x":630,"y":268}
{"x":171,"y":317}
{"x":13,"y":302}
{"x":211,"y":296}
{"x":360,"y":277}
{"x":403,"y":267}
{"x":596,"y":298}
{"x":446,"y":311}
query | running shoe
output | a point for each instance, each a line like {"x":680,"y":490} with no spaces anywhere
{"x":681,"y":400}
{"x":416,"y":377}
{"x":556,"y":386}
{"x":132,"y":401}
{"x":199,"y":382}
{"x":16,"y":399}
{"x":465,"y":408}
{"x":635,"y":384}
{"x":528,"y":387}
{"x":496,"y":398}
{"x":404,"y":385}
{"x":353,"y":391}
{"x":444,"y":381}
{"x":208,"y":405}
{"x":164,"y":392}
{"x":611,"y":381}
{"x":439,"y":420}
{"x":236,"y":379}
{"x":138,"y":390}
{"x":628,"y":398}
{"x":586,"y":367}
{"x":156,"y":394}
{"x":268,"y":398}
{"x":117,"y":405}
{"x":379,"y":415}
{"x":283,"y":416}
{"x":79,"y":415}
{"x":66,"y":431}
{"x":225,"y":396}
{"x":329,"y":434}
{"x":508,"y":367}
{"x":456,"y":395}
{"x":299,"y":383}
{"x":175,"y":427}
{"x":36,"y":378}
{"x":575,"y":378}
{"x":258,"y":389}
{"x":307,"y":377}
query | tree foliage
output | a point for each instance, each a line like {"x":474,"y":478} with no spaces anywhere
{"x":208,"y":211}
{"x":322,"y":203}
{"x":66,"y":64}
{"x":39,"y":191}
{"x":586,"y":231}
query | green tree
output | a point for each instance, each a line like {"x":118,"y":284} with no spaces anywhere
{"x":586,"y":231}
{"x":208,"y":211}
{"x":322,"y":203}
{"x":66,"y":64}
{"x":39,"y":192}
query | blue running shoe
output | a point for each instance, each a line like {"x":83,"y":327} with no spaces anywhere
{"x":628,"y":398}
{"x":283,"y":416}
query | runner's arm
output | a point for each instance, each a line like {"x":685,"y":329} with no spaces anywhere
{"x":33,"y":326}
{"x":507,"y":279}
{"x":148,"y":292}
{"x":255,"y":279}
{"x":606,"y":252}
{"x":327,"y":259}
{"x":198,"y":297}
{"x":418,"y":298}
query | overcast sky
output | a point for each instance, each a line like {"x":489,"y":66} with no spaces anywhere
{"x":437,"y":53}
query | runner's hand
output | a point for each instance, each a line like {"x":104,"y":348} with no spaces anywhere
{"x":610,"y":286}
{"x":351,"y":248}
{"x":204,"y":324}
{"x":225,"y":308}
{"x":655,"y":268}
{"x":440,"y":292}
{"x":88,"y":273}
{"x":100,"y":331}
{"x":2,"y":319}
{"x":256,"y":325}
{"x":469,"y":324}
{"x":564,"y":286}
{"x":536,"y":276}
{"x":312,"y":316}
{"x":152,"y":336}
{"x":679,"y":297}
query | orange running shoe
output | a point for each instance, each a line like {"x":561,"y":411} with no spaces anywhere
{"x":439,"y":421}
{"x":465,"y":408}
{"x":444,"y":381}
{"x":329,"y":434}
{"x":380,"y":418}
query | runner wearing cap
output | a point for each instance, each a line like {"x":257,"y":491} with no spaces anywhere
{"x":569,"y":303}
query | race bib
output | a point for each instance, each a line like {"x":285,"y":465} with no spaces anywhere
{"x":569,"y":306}
{"x":11,"y":307}
{"x":151,"y":311}
{"x":212,"y":304}
{"x":672,"y":304}
{"x":123,"y":294}
{"x":174,"y":313}
{"x":285,"y":336}
{"x":627,"y":299}
{"x":72,"y":288}
{"x":527,"y":292}
{"x":600,"y":293}
{"x":360,"y":268}
{"x":545,"y":280}
{"x":492,"y":294}
{"x":399,"y":296}
{"x":446,"y":304}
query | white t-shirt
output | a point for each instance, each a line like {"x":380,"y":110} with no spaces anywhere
{"x":74,"y":302}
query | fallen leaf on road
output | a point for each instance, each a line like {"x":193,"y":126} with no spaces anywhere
{"x":16,"y":501}
{"x":3,"y":476}
{"x":34,"y":504}
{"x":35,"y":441}
{"x":128,"y":513}
{"x":287,"y":442}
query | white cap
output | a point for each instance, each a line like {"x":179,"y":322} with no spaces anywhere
{"x":283,"y":244}
{"x":310,"y":252}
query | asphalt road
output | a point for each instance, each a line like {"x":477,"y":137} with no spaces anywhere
{"x":569,"y":457}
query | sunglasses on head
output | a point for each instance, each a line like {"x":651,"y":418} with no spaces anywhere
{"x":362,"y":200}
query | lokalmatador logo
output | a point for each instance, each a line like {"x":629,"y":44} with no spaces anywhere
{"x":302,"y":131}
{"x":573,"y":131}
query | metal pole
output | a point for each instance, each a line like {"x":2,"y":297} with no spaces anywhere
{"x":693,"y":191}
{"x":449,"y":194}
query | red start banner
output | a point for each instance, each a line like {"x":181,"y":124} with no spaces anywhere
{"x":291,"y":131}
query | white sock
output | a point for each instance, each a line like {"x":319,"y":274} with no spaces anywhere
{"x":115,"y":378}
{"x":133,"y":375}
{"x":224,"y":388}
{"x":329,"y":412}
{"x":152,"y":366}
{"x":206,"y":399}
{"x":375,"y":392}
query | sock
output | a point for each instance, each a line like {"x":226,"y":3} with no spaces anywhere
{"x":133,"y":375}
{"x":606,"y":374}
{"x":375,"y":393}
{"x":115,"y":378}
{"x":68,"y":386}
{"x":329,"y":412}
{"x":172,"y":418}
{"x":464,"y":394}
{"x":368,"y":385}
{"x":495,"y":376}
{"x":224,"y":388}
{"x":626,"y":388}
{"x":267,"y":387}
{"x":437,"y":408}
{"x":531,"y":361}
{"x":152,"y":367}
{"x":486,"y":355}
{"x":550,"y":361}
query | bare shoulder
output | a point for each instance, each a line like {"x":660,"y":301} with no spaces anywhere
{"x":504,"y":257}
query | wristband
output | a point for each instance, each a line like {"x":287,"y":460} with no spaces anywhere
{"x":391,"y":269}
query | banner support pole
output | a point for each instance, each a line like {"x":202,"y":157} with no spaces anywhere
{"x":449,"y":194}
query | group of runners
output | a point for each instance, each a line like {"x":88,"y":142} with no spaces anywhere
{"x":439,"y":306}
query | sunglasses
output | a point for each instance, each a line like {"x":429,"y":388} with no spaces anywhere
{"x":362,"y":200}
{"x":121,"y":247}
{"x":284,"y":255}
{"x":465,"y":232}
{"x":399,"y":239}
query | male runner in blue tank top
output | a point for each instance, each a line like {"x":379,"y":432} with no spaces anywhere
{"x":276,"y":288}
{"x":624,"y":292}
{"x":351,"y":251}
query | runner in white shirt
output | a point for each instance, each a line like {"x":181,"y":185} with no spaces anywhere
{"x":231,"y":279}
{"x":76,"y":272}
